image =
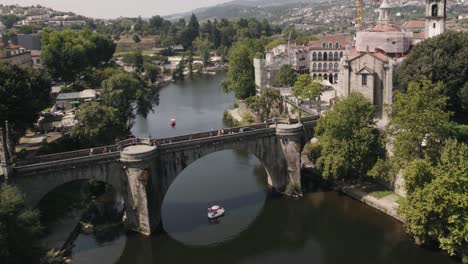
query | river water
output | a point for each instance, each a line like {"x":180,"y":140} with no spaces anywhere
{"x":259,"y":227}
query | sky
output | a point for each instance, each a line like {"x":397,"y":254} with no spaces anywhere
{"x":117,"y":8}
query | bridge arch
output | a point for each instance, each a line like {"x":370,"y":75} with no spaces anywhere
{"x":37,"y":182}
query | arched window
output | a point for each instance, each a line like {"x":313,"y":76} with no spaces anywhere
{"x":325,"y":77}
{"x":330,"y":45}
{"x":435,"y":10}
{"x":320,"y":76}
{"x":325,"y":56}
{"x":325,"y":66}
{"x":314,"y":76}
{"x":341,"y":55}
{"x":330,"y":56}
{"x":336,"y":67}
{"x":324,"y":46}
{"x":314,"y":56}
{"x":337,"y":45}
{"x":314,"y":67}
{"x":320,"y":67}
{"x":336,"y":56}
{"x":320,"y":56}
{"x":330,"y":66}
{"x":336,"y":77}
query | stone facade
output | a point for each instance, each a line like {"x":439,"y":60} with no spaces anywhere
{"x":319,"y":58}
{"x":14,"y":54}
{"x":436,"y":16}
{"x":372,"y":76}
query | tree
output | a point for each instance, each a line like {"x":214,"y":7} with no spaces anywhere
{"x":67,"y":54}
{"x":442,"y":58}
{"x":130,"y":95}
{"x":135,"y":59}
{"x":97,"y":124}
{"x":264,"y":103}
{"x":151,"y":72}
{"x":136,"y":38}
{"x":191,"y":32}
{"x":349,"y":141}
{"x":203,"y":48}
{"x":286,"y":76}
{"x":9,"y":20}
{"x":23,"y":94}
{"x":178,"y":72}
{"x":240,"y":77}
{"x":419,"y":122}
{"x":437,"y":208}
{"x":306,"y":88}
{"x":20,"y":227}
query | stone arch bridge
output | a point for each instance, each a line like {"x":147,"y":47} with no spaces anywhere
{"x":142,"y":171}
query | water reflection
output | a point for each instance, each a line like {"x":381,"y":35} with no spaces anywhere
{"x":237,"y":185}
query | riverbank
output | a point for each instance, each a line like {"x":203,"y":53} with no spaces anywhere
{"x":363,"y":192}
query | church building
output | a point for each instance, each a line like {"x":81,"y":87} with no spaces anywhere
{"x":369,"y":66}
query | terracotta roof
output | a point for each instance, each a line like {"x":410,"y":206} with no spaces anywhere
{"x":35,"y":53}
{"x":414,"y":24}
{"x":386,"y":28}
{"x":421,"y":35}
{"x":342,"y":39}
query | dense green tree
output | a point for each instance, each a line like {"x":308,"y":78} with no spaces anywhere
{"x":307,"y":88}
{"x":9,"y":20}
{"x":67,"y":54}
{"x":240,"y":77}
{"x":442,"y":58}
{"x":438,"y":207}
{"x":130,"y":95}
{"x":286,"y":76}
{"x":348,"y":138}
{"x":97,"y":124}
{"x":419,"y":122}
{"x":417,"y":174}
{"x":20,"y":228}
{"x":152,"y":72}
{"x":23,"y":95}
{"x":263,"y":104}
{"x":191,"y":32}
{"x":203,"y":48}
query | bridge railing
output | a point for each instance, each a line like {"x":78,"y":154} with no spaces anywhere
{"x":162,"y":141}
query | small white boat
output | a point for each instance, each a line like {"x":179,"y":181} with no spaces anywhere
{"x":215,"y":211}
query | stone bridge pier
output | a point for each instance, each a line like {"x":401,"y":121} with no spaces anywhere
{"x":150,"y":171}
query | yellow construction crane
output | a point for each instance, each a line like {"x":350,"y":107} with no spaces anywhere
{"x":360,"y":13}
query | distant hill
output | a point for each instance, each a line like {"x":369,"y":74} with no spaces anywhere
{"x":236,"y":9}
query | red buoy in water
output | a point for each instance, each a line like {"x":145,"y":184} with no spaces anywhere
{"x":173,"y":123}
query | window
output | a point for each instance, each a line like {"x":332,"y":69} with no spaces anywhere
{"x":320,"y":67}
{"x":330,"y":56}
{"x":435,"y":10}
{"x":314,"y":56}
{"x":434,"y":25}
{"x":330,"y":66}
{"x":314,"y":67}
{"x":341,"y":54}
{"x":364,"y":80}
{"x":324,"y":67}
{"x":337,"y":45}
{"x":325,"y":56}
{"x":336,"y":67}
{"x":320,"y":56}
{"x":324,"y":46}
{"x":336,"y":56}
{"x":330,"y":46}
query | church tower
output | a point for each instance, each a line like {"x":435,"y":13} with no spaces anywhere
{"x":384,"y":13}
{"x":436,"y":15}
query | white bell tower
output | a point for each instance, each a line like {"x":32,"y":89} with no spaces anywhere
{"x":436,"y":16}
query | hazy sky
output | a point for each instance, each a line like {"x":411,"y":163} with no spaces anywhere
{"x":116,"y":8}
